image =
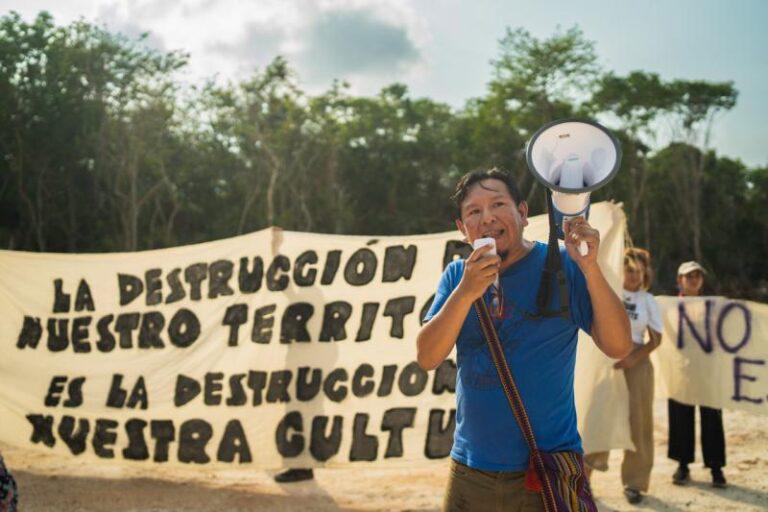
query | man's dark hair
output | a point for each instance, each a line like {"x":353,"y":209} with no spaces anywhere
{"x":472,"y":177}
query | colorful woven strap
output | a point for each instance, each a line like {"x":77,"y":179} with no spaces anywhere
{"x":558,"y":476}
{"x":515,"y":401}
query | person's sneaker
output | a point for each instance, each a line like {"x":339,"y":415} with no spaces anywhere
{"x":633,"y":495}
{"x":294,"y":475}
{"x":718,"y":479}
{"x":682,"y":475}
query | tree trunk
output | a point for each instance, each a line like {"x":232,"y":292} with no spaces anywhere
{"x":697,"y":169}
{"x":133,"y":211}
{"x":271,"y":188}
{"x":72,"y":211}
{"x":250,"y":198}
{"x":176,"y":206}
{"x":696,"y":207}
{"x":647,"y":225}
{"x":40,"y":208}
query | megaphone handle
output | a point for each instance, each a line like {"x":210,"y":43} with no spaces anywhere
{"x":583,"y":248}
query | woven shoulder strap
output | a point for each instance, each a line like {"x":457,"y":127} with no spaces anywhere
{"x":514,"y":399}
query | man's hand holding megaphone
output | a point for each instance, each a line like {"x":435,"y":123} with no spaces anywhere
{"x":578,"y":230}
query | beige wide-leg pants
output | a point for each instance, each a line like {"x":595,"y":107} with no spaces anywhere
{"x":637,"y":465}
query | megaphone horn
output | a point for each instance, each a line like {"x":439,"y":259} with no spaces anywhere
{"x":572,"y":158}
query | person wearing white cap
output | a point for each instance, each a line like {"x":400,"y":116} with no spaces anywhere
{"x":685,"y":269}
{"x":682,"y":428}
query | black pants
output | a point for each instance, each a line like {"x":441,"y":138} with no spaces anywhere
{"x":682,"y":434}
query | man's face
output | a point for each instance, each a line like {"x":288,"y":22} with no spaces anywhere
{"x":489,"y":211}
{"x":691,"y":283}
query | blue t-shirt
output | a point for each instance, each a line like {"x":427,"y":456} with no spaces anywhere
{"x":541,"y":354}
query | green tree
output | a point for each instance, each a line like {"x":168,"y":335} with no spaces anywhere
{"x":102,"y":150}
{"x":268,"y":123}
{"x":534,"y":82}
{"x":637,"y":101}
{"x":697,"y":104}
{"x":395,"y":155}
{"x":63,"y":92}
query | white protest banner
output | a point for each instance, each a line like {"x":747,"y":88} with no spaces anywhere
{"x":715,"y":352}
{"x":267,"y":350}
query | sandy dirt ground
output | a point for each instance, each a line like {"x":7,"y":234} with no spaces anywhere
{"x":49,"y":483}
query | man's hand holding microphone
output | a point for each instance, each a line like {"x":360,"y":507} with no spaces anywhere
{"x":438,"y":336}
{"x":481,"y":269}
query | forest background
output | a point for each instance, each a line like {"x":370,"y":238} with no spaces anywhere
{"x":103,"y":148}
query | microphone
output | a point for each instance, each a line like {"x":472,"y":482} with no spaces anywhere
{"x":496,"y":301}
{"x":481,"y":242}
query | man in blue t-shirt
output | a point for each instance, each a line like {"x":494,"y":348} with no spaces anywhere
{"x":489,"y":455}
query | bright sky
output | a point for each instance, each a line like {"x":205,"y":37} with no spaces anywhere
{"x":442,"y":49}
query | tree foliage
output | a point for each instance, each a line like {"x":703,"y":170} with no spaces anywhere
{"x":101,"y":150}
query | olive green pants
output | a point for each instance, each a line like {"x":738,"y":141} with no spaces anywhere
{"x":474,"y":490}
{"x":637,"y":465}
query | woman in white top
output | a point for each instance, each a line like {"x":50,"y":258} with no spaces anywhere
{"x":644,"y":317}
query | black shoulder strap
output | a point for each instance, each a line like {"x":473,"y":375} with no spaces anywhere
{"x":553,"y":268}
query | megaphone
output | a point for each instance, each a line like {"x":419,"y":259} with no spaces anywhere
{"x":572,"y":158}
